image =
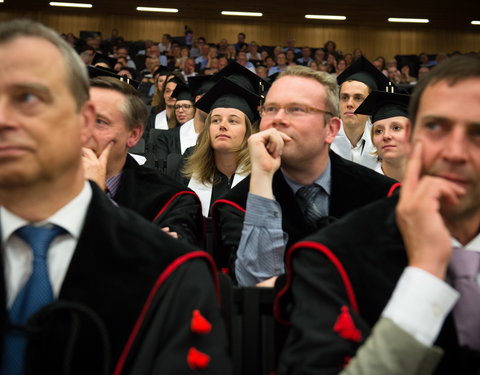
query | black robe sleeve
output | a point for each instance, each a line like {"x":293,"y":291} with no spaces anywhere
{"x":326,"y":329}
{"x":161,"y":200}
{"x":182,"y":214}
{"x":172,"y":339}
{"x":167,"y":142}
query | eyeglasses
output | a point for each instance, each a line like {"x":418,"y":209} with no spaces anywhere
{"x":185,"y":107}
{"x":294,"y":110}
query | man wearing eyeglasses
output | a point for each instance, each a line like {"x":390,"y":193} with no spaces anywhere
{"x":297,"y":184}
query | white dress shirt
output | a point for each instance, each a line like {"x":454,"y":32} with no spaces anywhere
{"x":362,"y":153}
{"x":421,"y":302}
{"x":161,"y":121}
{"x":204,"y":191}
{"x":188,"y":136}
{"x":18,"y":256}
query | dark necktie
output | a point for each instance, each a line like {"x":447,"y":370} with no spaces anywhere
{"x":463,"y":269}
{"x":310,"y":198}
{"x":36,"y":293}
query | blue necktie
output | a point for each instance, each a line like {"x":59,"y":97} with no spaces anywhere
{"x":36,"y":293}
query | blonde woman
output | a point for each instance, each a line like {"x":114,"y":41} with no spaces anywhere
{"x":221,"y":158}
{"x":390,"y":131}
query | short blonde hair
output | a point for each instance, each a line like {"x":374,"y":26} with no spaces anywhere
{"x":325,"y":79}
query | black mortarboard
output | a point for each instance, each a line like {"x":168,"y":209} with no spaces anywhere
{"x":162,"y":70}
{"x":228,"y":94}
{"x":98,"y":71}
{"x":271,"y":78}
{"x":100,"y":57}
{"x":364,"y":71}
{"x":381,"y":105}
{"x":243,"y":77}
{"x":200,"y":84}
{"x":182,"y":92}
{"x":177,"y":80}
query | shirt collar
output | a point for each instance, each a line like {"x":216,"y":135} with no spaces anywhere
{"x":473,"y":245}
{"x":70,"y":217}
{"x":324,"y":180}
{"x":367,"y":132}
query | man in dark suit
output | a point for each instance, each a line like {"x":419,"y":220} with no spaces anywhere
{"x":86,"y":287}
{"x":120,"y":121}
{"x":409,"y":259}
{"x":290,"y":155}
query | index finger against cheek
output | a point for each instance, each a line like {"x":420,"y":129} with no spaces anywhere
{"x":106,"y":150}
{"x":414,"y":168}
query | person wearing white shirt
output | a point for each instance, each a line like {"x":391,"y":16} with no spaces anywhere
{"x":400,"y":259}
{"x":390,"y":132}
{"x":220,"y":160}
{"x":353,"y":141}
{"x":166,"y":44}
{"x":106,"y":268}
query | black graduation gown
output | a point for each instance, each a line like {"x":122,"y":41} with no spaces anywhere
{"x":161,"y":200}
{"x":127,"y":302}
{"x":353,"y":186}
{"x":368,"y":246}
{"x":167,"y":142}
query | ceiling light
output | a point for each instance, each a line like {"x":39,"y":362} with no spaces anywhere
{"x":409,"y":20}
{"x":164,"y":10}
{"x":325,"y":17}
{"x":72,"y":5}
{"x":475,"y":22}
{"x":251,"y":14}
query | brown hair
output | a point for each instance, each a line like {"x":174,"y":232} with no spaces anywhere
{"x":134,"y":110}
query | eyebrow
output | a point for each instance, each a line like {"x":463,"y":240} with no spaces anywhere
{"x":435,"y":118}
{"x":101,"y":116}
{"x":36,"y":87}
{"x":444,"y":120}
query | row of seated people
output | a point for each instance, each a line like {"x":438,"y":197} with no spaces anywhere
{"x":173,"y":52}
{"x":246,"y":218}
{"x":296,"y":185}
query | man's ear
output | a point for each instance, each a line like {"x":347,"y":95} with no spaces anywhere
{"x":135,"y":135}
{"x":88,"y":116}
{"x":333,"y":127}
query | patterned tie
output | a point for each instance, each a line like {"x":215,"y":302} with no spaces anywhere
{"x":463,"y":269}
{"x":310,"y":198}
{"x":36,"y":293}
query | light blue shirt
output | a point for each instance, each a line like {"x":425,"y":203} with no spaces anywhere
{"x":202,"y":61}
{"x":261,"y":251}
